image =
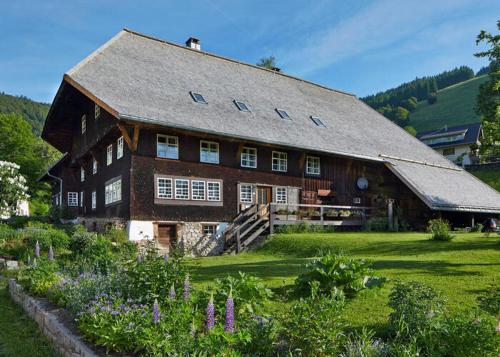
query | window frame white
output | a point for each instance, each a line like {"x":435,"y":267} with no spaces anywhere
{"x":94,"y":200}
{"x":245,"y":196}
{"x":165,"y":195}
{"x":195,"y":192}
{"x":119,"y":148}
{"x":248,"y":159}
{"x":213,"y":229}
{"x":81,"y":198}
{"x":183,"y":197}
{"x":94,"y":166}
{"x":208,"y":153}
{"x":310,"y":169}
{"x":84,"y":123}
{"x":109,"y":154}
{"x":174,"y":155}
{"x":210,"y":191}
{"x":82,"y":174}
{"x":279,"y":161}
{"x":111,"y":192}
{"x":281,"y":197}
{"x":72,"y":199}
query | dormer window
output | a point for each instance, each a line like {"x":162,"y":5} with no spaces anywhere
{"x":84,"y":123}
{"x":241,"y":106}
{"x":317,"y":121}
{"x":97,"y":111}
{"x":283,"y":114}
{"x":198,"y":98}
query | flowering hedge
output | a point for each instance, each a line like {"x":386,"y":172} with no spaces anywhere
{"x":13,"y":188}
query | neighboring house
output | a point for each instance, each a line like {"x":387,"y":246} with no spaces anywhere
{"x":22,"y":209}
{"x":177,"y":144}
{"x":459,"y":144}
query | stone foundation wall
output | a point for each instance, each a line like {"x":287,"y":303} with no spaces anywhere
{"x":65,"y":342}
{"x":101,"y":224}
{"x":192,"y":241}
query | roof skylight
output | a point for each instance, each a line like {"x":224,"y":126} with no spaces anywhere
{"x":317,"y":121}
{"x":283,"y":114}
{"x":241,"y":106}
{"x":198,"y":98}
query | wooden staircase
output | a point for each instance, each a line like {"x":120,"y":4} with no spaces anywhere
{"x":246,"y":227}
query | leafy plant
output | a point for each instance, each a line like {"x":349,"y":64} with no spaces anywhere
{"x":376,"y":224}
{"x":489,"y":301}
{"x":338,"y":271}
{"x":440,"y":230}
{"x":40,"y":278}
{"x":363,"y":344}
{"x":478,"y":227}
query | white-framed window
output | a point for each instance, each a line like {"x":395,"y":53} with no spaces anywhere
{"x":109,"y":154}
{"x":213,"y":191}
{"x":279,"y":161}
{"x":209,"y":152}
{"x":249,"y":157}
{"x":82,"y":174}
{"x":181,"y":189}
{"x":113,"y":191}
{"x":165,"y":188}
{"x":209,"y":229}
{"x":167,"y":146}
{"x":246,"y":193}
{"x":313,"y":165}
{"x":94,"y":166}
{"x":281,"y":195}
{"x":198,"y":190}
{"x":73,"y":199}
{"x":94,"y":200}
{"x":97,"y":111}
{"x":81,"y":198}
{"x":119,"y":148}
{"x":84,"y":123}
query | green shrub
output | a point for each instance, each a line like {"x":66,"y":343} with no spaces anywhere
{"x":117,"y":235}
{"x":249,"y":293}
{"x":303,"y":227}
{"x":440,"y":230}
{"x":414,"y":305}
{"x":40,"y":278}
{"x":314,"y":325}
{"x":478,"y":227}
{"x":338,"y":271}
{"x":376,"y":224}
{"x":363,"y":344}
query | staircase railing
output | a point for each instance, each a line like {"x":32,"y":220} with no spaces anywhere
{"x":243,"y":224}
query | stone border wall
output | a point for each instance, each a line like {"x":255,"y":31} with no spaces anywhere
{"x":65,"y":342}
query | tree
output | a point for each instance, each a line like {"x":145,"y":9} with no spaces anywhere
{"x":432,"y":98}
{"x":401,"y":114}
{"x":267,"y":62}
{"x":488,"y":100}
{"x":13,"y":188}
{"x":411,"y":130}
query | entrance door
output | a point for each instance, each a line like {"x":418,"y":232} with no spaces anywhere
{"x":264,"y":196}
{"x":167,"y":235}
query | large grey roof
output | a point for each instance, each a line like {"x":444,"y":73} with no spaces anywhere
{"x":149,"y":80}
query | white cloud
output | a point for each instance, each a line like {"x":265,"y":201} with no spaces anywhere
{"x":376,"y":26}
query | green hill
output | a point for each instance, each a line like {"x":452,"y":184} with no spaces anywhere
{"x":33,"y":112}
{"x":455,"y":106}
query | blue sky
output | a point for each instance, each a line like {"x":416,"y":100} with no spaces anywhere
{"x":357,"y":46}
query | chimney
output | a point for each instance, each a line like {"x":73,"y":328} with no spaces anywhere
{"x":193,"y":43}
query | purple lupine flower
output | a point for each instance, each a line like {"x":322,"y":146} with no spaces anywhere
{"x":165,"y":257}
{"x":172,"y":292}
{"x":37,"y":250}
{"x":209,"y":313}
{"x":186,"y":287}
{"x":156,"y":312}
{"x":51,"y":253}
{"x":230,"y":313}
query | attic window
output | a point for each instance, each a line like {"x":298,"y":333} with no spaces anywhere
{"x":241,"y":106}
{"x":283,"y":114}
{"x":198,"y":98}
{"x":317,"y":121}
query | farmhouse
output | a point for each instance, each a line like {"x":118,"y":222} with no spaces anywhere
{"x":459,"y":144}
{"x":184,"y":146}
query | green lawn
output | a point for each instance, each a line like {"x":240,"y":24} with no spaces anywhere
{"x":461,"y":269}
{"x":19,"y":335}
{"x":492,"y":178}
{"x":455,"y":106}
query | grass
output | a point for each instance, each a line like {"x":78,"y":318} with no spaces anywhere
{"x":455,"y":106}
{"x":461,"y":269}
{"x":492,"y":178}
{"x":19,"y":335}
